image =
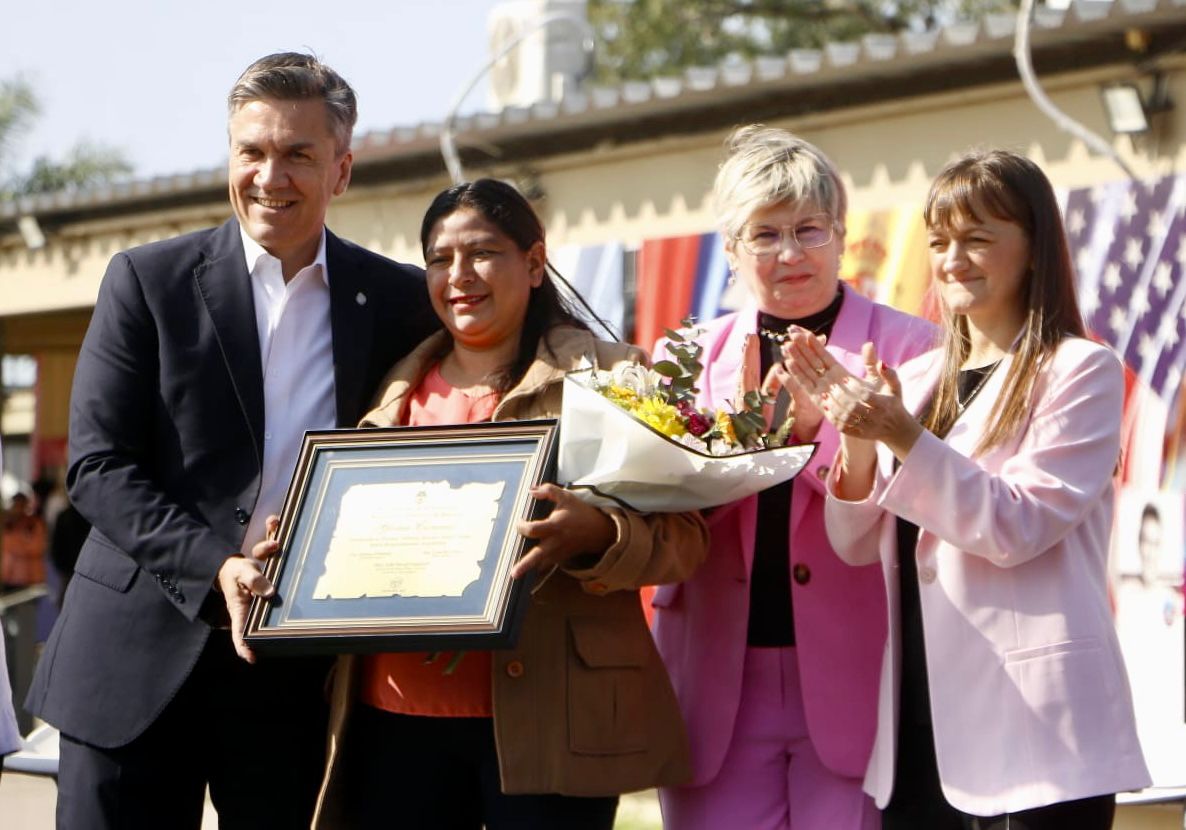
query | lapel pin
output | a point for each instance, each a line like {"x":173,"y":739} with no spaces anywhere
{"x":360,"y":298}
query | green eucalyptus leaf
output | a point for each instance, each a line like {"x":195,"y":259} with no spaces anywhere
{"x":779,"y":439}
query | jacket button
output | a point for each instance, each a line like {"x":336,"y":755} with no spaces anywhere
{"x":926,"y":575}
{"x":241,"y":515}
{"x":515,"y":668}
{"x":821,"y":472}
{"x":802,"y":574}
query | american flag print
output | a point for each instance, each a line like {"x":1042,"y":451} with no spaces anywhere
{"x":1128,"y":243}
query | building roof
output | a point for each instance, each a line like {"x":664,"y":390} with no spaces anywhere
{"x":877,"y":68}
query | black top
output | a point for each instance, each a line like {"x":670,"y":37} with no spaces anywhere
{"x":915,"y":703}
{"x":770,"y":622}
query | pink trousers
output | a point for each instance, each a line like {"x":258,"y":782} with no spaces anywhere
{"x":771,"y":778}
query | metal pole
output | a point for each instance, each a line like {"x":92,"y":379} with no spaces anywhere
{"x":448,"y":145}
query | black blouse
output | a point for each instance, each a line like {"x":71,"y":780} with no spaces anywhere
{"x":915,"y":706}
{"x":771,"y":624}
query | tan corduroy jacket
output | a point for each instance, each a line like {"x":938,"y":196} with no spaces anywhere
{"x":582,"y":705}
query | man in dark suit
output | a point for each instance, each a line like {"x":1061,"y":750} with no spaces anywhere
{"x":207,"y":357}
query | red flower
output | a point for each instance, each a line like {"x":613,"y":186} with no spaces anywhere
{"x":698,"y":424}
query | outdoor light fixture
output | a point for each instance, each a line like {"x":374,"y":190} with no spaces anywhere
{"x":1129,"y":112}
{"x":1125,"y":108}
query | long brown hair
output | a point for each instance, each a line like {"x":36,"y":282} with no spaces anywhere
{"x":1012,"y":188}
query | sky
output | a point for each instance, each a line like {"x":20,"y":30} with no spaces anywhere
{"x":151,"y":78}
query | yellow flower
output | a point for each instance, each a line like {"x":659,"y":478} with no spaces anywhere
{"x":660,"y":415}
{"x":622,"y":396}
{"x":725,"y":427}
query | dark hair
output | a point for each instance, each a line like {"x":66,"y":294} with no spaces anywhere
{"x":1010,"y":187}
{"x":295,"y":76}
{"x":501,"y":204}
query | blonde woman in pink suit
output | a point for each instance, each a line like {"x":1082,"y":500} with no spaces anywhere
{"x":982,"y":481}
{"x":774,"y":645}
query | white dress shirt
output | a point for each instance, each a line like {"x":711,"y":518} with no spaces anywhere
{"x":296,"y":348}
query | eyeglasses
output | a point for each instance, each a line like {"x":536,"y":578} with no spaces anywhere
{"x":769,"y":240}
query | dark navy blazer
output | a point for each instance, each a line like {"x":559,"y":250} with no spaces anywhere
{"x":166,"y":442}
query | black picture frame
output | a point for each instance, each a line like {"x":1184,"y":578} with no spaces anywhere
{"x":353,"y":575}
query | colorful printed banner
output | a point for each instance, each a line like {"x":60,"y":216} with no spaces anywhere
{"x":597,"y":272}
{"x":1129,"y":249}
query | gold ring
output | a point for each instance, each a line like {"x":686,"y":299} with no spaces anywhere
{"x":820,"y":370}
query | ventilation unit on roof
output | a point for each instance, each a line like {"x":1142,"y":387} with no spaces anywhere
{"x":549,"y":60}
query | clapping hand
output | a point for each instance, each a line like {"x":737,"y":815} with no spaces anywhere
{"x":803,"y":407}
{"x":868,"y":408}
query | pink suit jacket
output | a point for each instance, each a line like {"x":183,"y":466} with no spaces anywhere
{"x":1029,"y":696}
{"x":839,"y":612}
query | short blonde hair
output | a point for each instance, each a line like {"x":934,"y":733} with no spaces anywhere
{"x":766,"y":166}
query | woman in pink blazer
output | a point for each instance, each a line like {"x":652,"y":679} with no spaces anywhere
{"x":774,"y":645}
{"x":982,"y":480}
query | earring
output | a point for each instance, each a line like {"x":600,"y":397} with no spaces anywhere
{"x":731,"y":280}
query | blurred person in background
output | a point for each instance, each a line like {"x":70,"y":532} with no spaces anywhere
{"x":22,"y":545}
{"x":10,"y":736}
{"x":65,"y":542}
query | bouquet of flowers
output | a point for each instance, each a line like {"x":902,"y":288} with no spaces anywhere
{"x":635,"y":437}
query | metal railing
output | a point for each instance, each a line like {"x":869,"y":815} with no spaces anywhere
{"x":18,"y":614}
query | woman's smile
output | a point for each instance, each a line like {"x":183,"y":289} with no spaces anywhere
{"x":466,"y":301}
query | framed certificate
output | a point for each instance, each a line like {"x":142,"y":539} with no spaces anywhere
{"x":403,"y":539}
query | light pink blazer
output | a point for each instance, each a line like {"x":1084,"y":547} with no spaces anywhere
{"x":700,"y":625}
{"x":1029,"y":696}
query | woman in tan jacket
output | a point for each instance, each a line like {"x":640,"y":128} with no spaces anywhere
{"x":546,"y":734}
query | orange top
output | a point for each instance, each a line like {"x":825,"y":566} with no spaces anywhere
{"x":404,"y":683}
